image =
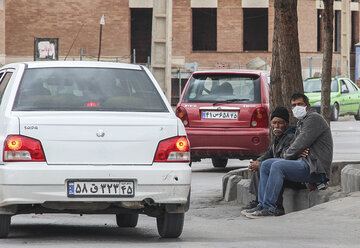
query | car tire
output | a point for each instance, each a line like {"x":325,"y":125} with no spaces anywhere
{"x":335,"y":112}
{"x":170,"y":225}
{"x":219,"y":162}
{"x":127,"y":220}
{"x":5,"y":221}
{"x":357,"y":116}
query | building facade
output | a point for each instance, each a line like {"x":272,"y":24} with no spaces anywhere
{"x":201,"y":34}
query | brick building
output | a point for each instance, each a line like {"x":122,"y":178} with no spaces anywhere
{"x":212,"y":33}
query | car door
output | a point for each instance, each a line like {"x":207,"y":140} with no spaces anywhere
{"x":344,"y":99}
{"x":354,"y":96}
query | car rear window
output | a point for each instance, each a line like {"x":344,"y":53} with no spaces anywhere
{"x":87,"y":89}
{"x":233,"y":88}
{"x":314,"y":85}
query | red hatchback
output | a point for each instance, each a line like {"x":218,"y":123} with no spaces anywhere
{"x":226,"y":114}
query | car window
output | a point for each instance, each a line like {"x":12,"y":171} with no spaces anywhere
{"x":350,"y":86}
{"x":314,"y":85}
{"x":81,"y":89}
{"x":217,"y":87}
{"x":5,"y":77}
{"x":343,"y":86}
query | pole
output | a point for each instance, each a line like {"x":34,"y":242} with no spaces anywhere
{"x":134,"y":56}
{"x":179,"y":83}
{"x":100,"y":42}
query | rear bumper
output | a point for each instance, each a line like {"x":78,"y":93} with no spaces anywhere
{"x":31,"y":183}
{"x":228,"y":142}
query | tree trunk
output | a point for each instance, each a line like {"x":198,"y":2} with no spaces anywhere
{"x":289,"y":51}
{"x":276,"y":98}
{"x":327,"y":59}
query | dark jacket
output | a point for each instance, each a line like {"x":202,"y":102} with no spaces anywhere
{"x":314,"y":133}
{"x":279,"y":145}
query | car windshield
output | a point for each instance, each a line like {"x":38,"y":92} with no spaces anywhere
{"x":315,"y":86}
{"x":87,"y":89}
{"x":228,"y":88}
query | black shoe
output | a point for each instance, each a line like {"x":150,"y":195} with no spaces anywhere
{"x":251,"y":210}
{"x":251,"y":204}
{"x":263,"y":213}
{"x":279,"y":211}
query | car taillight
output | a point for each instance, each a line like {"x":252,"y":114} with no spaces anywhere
{"x":173,"y":150}
{"x":182,"y":114}
{"x":259,"y":118}
{"x":21,"y":148}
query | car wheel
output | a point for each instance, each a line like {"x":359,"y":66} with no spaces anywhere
{"x":335,"y":112}
{"x":219,"y":162}
{"x":127,"y":220}
{"x":357,"y":116}
{"x":170,"y":225}
{"x":4,"y":225}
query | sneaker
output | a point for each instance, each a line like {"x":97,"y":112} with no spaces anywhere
{"x":251,"y":210}
{"x":251,"y":205}
{"x":263,"y":213}
{"x":279,"y":211}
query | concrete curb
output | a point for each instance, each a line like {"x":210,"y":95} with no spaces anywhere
{"x":347,"y":174}
{"x":350,"y":178}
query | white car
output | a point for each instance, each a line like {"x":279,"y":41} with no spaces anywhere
{"x":91,"y":138}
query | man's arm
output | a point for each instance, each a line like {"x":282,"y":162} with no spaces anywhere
{"x":312,"y":128}
{"x":268,"y":154}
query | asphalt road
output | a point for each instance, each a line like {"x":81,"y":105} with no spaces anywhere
{"x":209,"y":222}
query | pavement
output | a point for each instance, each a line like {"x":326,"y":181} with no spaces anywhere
{"x":335,"y":223}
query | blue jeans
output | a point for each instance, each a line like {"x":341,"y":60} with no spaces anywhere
{"x":273,"y":171}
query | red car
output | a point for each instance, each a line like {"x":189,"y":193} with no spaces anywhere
{"x":226,"y":114}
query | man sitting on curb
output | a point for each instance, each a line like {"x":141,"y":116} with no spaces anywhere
{"x":313,"y":137}
{"x":283,"y":135}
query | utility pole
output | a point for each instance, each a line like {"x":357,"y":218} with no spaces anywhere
{"x":102,"y":23}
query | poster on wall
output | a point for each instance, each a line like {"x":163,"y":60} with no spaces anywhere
{"x":46,"y":49}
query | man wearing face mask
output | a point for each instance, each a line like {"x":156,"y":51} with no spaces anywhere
{"x":283,"y":135}
{"x":307,"y":160}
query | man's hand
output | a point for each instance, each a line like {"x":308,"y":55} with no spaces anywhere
{"x":304,"y":153}
{"x":254,"y":166}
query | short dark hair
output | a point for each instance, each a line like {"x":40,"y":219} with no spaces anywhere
{"x":300,"y":95}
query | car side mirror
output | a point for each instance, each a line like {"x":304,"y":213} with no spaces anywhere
{"x":345,"y":91}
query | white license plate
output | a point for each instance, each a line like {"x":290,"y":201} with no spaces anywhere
{"x":230,"y":115}
{"x":100,"y":188}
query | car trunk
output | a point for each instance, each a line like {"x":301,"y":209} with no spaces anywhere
{"x":98,"y":138}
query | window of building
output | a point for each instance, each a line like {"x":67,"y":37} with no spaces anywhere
{"x":337,"y":31}
{"x":354,"y":29}
{"x":204,"y":29}
{"x":255,"y":29}
{"x":141,"y":24}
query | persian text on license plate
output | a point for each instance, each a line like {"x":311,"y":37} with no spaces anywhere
{"x":231,"y":115}
{"x":101,"y":188}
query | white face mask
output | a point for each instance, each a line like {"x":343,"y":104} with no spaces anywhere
{"x":299,"y":112}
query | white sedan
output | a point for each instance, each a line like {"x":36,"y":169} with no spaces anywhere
{"x":91,"y":138}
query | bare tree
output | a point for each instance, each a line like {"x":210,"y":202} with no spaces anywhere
{"x":327,"y":60}
{"x":275,"y":79}
{"x":286,"y":43}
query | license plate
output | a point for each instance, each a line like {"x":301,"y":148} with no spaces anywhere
{"x":100,"y":188}
{"x":230,"y":115}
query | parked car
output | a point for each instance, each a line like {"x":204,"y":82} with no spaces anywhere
{"x":226,"y":114}
{"x":91,"y":138}
{"x":344,"y":96}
